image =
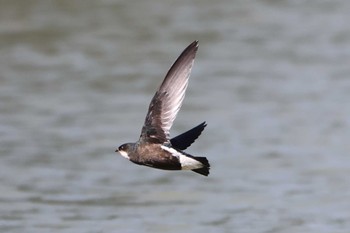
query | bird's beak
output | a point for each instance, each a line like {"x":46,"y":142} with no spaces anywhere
{"x":116,"y":150}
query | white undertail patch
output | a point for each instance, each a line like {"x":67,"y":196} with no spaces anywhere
{"x":187,"y":163}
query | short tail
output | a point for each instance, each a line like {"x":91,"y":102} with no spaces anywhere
{"x":206,"y":166}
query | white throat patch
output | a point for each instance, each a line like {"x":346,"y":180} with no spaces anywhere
{"x":124,"y":154}
{"x":187,"y":163}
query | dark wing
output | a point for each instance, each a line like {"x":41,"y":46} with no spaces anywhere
{"x":168,"y":99}
{"x":184,"y":140}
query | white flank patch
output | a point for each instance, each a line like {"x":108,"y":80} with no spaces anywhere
{"x":187,"y":163}
{"x":124,"y":154}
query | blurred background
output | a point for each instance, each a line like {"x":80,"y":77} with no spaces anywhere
{"x":271,"y":79}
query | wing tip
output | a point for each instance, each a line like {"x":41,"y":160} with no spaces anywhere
{"x":193,"y":46}
{"x":195,"y":43}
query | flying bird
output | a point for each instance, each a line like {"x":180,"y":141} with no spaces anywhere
{"x":155,"y":148}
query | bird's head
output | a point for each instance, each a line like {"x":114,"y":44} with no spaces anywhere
{"x":125,"y":149}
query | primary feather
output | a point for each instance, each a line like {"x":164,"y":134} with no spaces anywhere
{"x":168,"y":99}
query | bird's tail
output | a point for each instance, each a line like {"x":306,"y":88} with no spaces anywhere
{"x":206,"y":166}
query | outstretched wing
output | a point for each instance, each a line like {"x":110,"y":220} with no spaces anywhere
{"x":168,"y":99}
{"x":185,"y":139}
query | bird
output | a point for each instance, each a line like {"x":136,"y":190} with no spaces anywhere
{"x":155,"y":148}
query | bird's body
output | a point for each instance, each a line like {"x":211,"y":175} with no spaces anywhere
{"x":154,"y":147}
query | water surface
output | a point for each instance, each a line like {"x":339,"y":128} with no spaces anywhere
{"x":271,"y":80}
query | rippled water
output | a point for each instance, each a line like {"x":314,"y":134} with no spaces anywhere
{"x":271,"y":80}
